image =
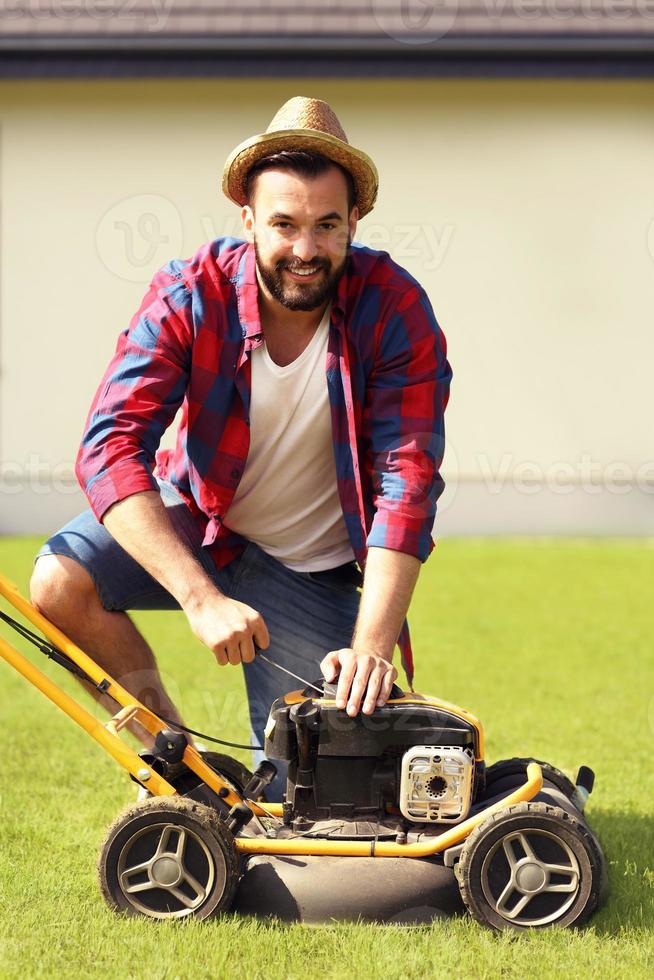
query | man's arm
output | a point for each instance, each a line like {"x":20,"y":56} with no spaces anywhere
{"x":136,"y":401}
{"x":138,"y":397}
{"x":403,"y":438}
{"x":140,"y":525}
{"x":367,"y":668}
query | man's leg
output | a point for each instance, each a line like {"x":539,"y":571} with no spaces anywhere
{"x":307,"y":616}
{"x":83,"y":582}
{"x":63,"y":591}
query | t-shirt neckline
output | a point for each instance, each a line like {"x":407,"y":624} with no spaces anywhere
{"x":318,"y":337}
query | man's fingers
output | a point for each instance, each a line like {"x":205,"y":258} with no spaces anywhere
{"x":247,"y":650}
{"x":260,"y":634}
{"x":238,"y":650}
{"x":348,"y":670}
{"x":329,"y":666}
{"x":365,"y":679}
{"x":374,"y":689}
{"x":234,"y":652}
{"x":365,"y":670}
{"x":386,"y":686}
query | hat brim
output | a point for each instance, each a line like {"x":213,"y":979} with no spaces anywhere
{"x":243,"y":158}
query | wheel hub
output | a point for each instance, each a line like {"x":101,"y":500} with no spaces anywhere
{"x":530,"y":878}
{"x":166,"y":872}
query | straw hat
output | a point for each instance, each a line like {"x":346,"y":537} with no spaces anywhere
{"x":303,"y":124}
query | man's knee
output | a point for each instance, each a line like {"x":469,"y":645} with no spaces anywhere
{"x":60,"y":587}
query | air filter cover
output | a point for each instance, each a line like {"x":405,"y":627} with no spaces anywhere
{"x":436,"y":783}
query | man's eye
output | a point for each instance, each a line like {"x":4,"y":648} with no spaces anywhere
{"x":281,"y":224}
{"x":327,"y":226}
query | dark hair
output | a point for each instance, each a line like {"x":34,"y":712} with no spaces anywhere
{"x":299,"y":162}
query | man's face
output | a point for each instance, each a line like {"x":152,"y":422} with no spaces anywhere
{"x":301,"y":230}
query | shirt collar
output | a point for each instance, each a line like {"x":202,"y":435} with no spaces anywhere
{"x":339,"y":304}
{"x":248,"y":295}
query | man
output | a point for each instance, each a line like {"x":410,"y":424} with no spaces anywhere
{"x":313,"y":378}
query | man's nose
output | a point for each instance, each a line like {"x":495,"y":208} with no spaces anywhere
{"x":304,"y":247}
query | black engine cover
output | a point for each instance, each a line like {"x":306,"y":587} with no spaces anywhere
{"x":349,"y":768}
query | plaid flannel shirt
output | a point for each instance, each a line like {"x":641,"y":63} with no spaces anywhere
{"x":189,"y":344}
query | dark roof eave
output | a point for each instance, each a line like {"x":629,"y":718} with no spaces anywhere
{"x":303,"y":47}
{"x":356,"y":58}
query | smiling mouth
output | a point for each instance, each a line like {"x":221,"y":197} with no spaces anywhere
{"x":304,"y":274}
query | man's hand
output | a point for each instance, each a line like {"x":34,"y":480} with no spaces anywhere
{"x":228,"y":627}
{"x":359,"y":673}
{"x":366,"y":670}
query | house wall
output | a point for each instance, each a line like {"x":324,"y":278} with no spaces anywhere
{"x":524,"y":207}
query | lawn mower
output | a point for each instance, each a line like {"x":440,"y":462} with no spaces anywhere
{"x":391,"y":817}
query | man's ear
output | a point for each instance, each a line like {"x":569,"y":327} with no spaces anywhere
{"x":352,"y":221}
{"x":247,"y":217}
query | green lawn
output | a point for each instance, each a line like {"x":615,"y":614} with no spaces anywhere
{"x":548,"y":642}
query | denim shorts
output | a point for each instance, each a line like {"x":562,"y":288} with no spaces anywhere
{"x":308,"y":614}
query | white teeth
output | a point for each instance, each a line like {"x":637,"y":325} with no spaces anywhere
{"x":303,"y":272}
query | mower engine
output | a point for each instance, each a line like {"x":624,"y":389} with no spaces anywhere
{"x":415,"y":761}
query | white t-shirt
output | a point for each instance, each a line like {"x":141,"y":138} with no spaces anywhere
{"x":287,"y":500}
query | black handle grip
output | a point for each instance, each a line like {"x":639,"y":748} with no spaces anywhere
{"x":262,"y":775}
{"x":586,"y":778}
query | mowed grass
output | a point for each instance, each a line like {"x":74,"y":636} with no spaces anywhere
{"x":548,"y":642}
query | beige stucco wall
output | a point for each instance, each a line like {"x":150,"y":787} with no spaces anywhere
{"x":524,"y":207}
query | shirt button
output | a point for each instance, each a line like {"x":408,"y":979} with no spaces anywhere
{"x":235,"y":474}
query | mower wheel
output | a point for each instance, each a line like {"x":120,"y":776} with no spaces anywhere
{"x":167,"y":858}
{"x":529,"y":866}
{"x":508,"y":768}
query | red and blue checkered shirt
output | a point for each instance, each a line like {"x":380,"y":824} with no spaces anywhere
{"x":387,"y":375}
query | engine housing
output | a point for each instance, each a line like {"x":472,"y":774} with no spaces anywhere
{"x":369,"y":773}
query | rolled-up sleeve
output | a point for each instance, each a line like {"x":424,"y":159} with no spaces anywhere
{"x":138,"y":397}
{"x":403,"y":425}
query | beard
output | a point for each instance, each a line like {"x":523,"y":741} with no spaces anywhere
{"x":297,"y":295}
